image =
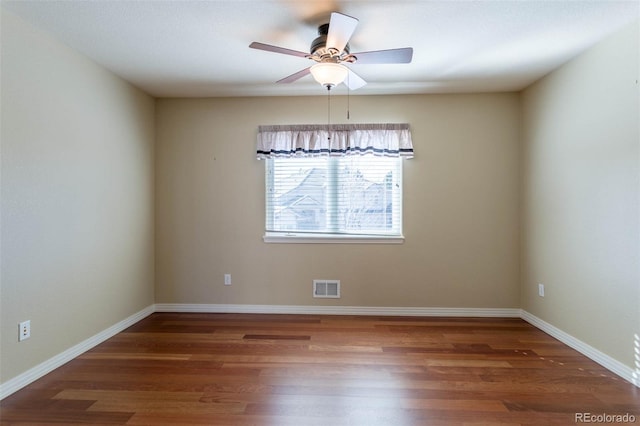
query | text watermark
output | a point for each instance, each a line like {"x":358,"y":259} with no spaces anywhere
{"x":604,"y":418}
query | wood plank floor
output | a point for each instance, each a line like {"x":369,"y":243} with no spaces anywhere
{"x":281,"y":370}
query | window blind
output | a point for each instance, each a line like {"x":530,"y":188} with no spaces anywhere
{"x":350,"y":195}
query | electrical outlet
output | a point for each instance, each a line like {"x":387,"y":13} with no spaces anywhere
{"x":541,"y":290}
{"x":227,"y":279}
{"x":24,"y":330}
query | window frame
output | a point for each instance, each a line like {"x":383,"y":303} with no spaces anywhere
{"x":327,"y":237}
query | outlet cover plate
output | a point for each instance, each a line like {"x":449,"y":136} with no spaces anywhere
{"x":24,"y":330}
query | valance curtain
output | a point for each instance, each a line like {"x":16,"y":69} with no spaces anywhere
{"x":385,"y":140}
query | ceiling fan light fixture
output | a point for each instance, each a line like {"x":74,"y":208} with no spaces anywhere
{"x":329,"y":74}
{"x":331,"y":48}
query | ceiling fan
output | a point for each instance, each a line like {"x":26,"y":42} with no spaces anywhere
{"x":331,"y":49}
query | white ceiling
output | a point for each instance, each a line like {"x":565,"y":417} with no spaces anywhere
{"x":200,"y":48}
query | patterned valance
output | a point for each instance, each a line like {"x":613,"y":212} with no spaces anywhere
{"x":317,"y":140}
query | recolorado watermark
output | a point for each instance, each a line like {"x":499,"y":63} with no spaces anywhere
{"x":604,"y":418}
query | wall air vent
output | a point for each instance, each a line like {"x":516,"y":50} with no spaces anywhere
{"x":326,"y":289}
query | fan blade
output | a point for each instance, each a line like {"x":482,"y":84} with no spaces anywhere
{"x":391,"y":56}
{"x":276,"y":49}
{"x":341,"y":27}
{"x":354,"y":81}
{"x":296,"y":76}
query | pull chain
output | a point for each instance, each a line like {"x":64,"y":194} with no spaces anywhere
{"x":328,"y":113}
{"x":348,"y":93}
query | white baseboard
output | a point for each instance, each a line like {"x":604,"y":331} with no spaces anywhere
{"x":33,"y":374}
{"x":339,"y":310}
{"x":590,"y":352}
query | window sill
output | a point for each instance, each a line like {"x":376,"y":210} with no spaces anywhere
{"x":292,"y":238}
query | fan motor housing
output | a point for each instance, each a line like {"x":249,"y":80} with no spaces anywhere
{"x":319,"y":44}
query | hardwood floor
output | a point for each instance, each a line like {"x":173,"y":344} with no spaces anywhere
{"x":280,"y":370}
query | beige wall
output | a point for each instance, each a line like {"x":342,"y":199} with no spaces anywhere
{"x":77,"y":197}
{"x":581,"y":184}
{"x":461,"y":216}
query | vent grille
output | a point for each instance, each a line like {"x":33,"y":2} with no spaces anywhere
{"x":326,"y":289}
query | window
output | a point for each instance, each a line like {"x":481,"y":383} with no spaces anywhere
{"x":332,"y":198}
{"x":338,"y":183}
